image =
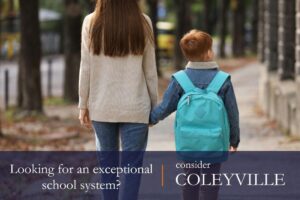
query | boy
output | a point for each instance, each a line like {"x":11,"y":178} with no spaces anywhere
{"x":201,"y":69}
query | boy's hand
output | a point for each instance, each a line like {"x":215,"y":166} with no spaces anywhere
{"x":232,"y":149}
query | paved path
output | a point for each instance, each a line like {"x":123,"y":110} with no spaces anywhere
{"x":57,"y":78}
{"x":255,"y":134}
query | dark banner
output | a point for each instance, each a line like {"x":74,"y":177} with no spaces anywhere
{"x":162,"y":175}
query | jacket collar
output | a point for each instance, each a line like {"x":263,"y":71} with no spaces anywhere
{"x":202,"y":65}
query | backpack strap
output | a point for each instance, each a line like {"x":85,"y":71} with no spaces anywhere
{"x":218,"y":81}
{"x":184,"y":81}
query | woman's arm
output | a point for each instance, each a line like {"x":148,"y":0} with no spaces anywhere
{"x":84,"y":75}
{"x":150,"y":69}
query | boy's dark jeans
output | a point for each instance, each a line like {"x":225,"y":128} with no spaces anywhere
{"x":202,"y":192}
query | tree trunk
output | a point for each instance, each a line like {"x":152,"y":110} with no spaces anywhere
{"x":261,"y":32}
{"x":255,"y":9}
{"x":19,"y":88}
{"x":184,"y":24}
{"x":11,"y":16}
{"x":30,"y":57}
{"x":271,"y":34}
{"x":152,"y":4}
{"x":72,"y":41}
{"x":210,"y":16}
{"x":298,"y":62}
{"x":223,"y":27}
{"x":1,"y":7}
{"x":90,"y":5}
{"x":1,"y":119}
{"x":1,"y":122}
{"x":286,"y":39}
{"x":239,"y":19}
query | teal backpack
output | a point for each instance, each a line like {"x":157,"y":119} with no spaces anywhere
{"x":201,"y":125}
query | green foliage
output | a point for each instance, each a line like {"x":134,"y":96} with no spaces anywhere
{"x":5,"y":9}
{"x":9,"y":114}
{"x":197,"y":6}
{"x":51,"y":26}
{"x":55,"y":101}
{"x":13,"y":114}
{"x":56,"y":5}
{"x":170,"y":4}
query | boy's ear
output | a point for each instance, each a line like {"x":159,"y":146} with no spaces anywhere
{"x":210,"y":54}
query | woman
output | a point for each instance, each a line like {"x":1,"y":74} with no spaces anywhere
{"x":118,"y":84}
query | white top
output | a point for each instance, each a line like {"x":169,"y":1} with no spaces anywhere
{"x":117,"y":89}
{"x":202,"y":65}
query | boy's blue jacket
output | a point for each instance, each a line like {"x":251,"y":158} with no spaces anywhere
{"x":201,"y":74}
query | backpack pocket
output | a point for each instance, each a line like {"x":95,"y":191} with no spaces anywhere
{"x":200,"y":139}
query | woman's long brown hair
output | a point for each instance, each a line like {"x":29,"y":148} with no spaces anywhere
{"x":119,"y":28}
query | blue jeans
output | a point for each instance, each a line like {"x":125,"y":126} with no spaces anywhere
{"x":133,"y":142}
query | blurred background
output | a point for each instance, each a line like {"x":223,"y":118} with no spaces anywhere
{"x":40,"y":58}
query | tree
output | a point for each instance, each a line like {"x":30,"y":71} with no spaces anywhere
{"x":223,"y":27}
{"x":72,"y":41}
{"x":184,"y":24}
{"x":261,"y":31}
{"x":30,"y":93}
{"x":239,"y":18}
{"x":90,"y":5}
{"x":286,"y":39}
{"x":210,"y":16}
{"x":152,"y":4}
{"x":255,"y":10}
{"x":271,"y":36}
{"x":1,"y":121}
{"x":1,"y":133}
{"x":1,"y":7}
{"x":11,"y":15}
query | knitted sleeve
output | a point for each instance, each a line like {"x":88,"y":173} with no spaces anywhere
{"x":84,"y":75}
{"x":150,"y":69}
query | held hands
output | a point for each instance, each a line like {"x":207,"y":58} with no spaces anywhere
{"x":84,"y":118}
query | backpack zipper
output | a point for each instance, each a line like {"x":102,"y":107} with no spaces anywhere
{"x":188,"y":100}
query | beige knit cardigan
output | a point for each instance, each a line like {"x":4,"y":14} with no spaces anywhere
{"x":117,"y":89}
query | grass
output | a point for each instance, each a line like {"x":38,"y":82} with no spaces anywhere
{"x":9,"y":114}
{"x":56,"y":101}
{"x":13,"y":114}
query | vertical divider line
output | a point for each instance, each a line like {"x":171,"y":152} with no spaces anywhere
{"x":162,"y":175}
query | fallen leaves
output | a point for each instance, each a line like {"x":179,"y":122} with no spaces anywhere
{"x":46,"y":133}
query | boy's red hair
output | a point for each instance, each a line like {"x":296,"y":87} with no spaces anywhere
{"x":195,"y":44}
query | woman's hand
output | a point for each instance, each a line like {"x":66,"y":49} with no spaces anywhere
{"x":84,"y":118}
